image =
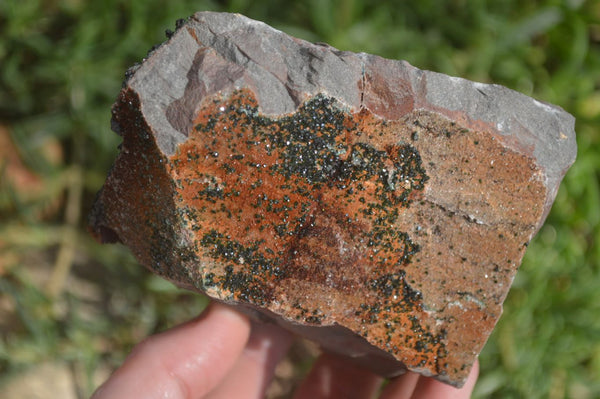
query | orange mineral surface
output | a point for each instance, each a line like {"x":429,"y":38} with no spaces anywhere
{"x":405,"y":232}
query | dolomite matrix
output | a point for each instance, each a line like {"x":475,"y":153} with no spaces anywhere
{"x":373,"y":207}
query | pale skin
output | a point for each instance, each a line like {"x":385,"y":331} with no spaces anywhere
{"x":221,"y":354}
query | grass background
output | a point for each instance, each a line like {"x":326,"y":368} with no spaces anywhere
{"x":65,"y":298}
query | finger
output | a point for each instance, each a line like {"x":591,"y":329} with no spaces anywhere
{"x":334,"y":377}
{"x":185,"y":362}
{"x":428,"y":388}
{"x":254,"y":369}
{"x":401,"y":387}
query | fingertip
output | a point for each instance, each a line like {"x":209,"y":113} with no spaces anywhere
{"x":226,"y":313}
{"x":472,"y":379}
{"x":429,"y":388}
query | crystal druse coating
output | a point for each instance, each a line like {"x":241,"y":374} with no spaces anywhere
{"x":325,"y":208}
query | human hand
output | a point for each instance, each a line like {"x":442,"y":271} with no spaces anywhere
{"x":222,"y":355}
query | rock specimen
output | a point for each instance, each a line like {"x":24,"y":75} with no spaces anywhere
{"x":376,"y":208}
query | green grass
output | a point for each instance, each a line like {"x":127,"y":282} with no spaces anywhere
{"x":61,"y":67}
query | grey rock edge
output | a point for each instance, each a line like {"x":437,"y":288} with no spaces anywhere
{"x":285,"y":71}
{"x":216,"y":53}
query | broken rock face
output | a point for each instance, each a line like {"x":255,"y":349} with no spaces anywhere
{"x":376,"y":208}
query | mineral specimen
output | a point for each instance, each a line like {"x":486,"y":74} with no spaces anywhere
{"x":373,"y":207}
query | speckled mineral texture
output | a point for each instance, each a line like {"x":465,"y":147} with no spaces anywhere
{"x":376,"y":208}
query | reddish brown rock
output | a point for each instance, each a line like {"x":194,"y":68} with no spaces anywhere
{"x":378,"y":209}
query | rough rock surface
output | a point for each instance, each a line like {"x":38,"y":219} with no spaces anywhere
{"x":376,"y":208}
